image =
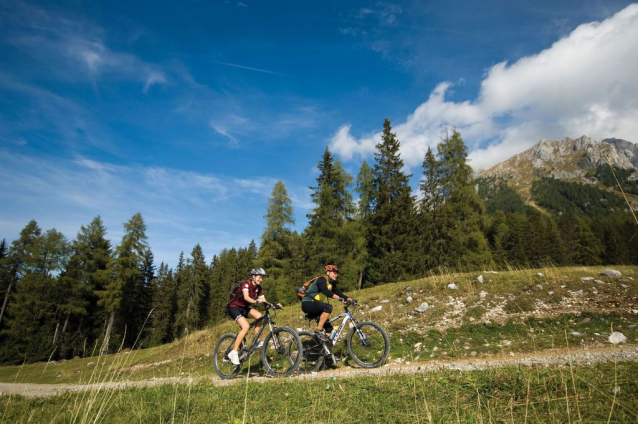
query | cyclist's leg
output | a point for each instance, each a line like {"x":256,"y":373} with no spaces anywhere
{"x":320,"y":309}
{"x":256,"y":315}
{"x":245,"y":326}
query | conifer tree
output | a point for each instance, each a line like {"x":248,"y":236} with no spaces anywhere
{"x":361,"y":225}
{"x":513,"y":241}
{"x":463,"y":221}
{"x":125,"y":287}
{"x":21,"y":258}
{"x":274,"y":252}
{"x":189,"y":296}
{"x":32,"y":327}
{"x":393,"y":236}
{"x":164,"y":307}
{"x":330,"y":236}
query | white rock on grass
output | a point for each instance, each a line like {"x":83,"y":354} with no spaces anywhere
{"x":423,"y":307}
{"x":483,"y":294}
{"x":599,"y":282}
{"x":376,"y":309}
{"x":575,"y":334}
{"x":384,"y":301}
{"x":539,"y":287}
{"x":584,"y":279}
{"x":617,"y":338}
{"x":452,"y":286}
{"x":539,"y":274}
{"x":611,"y":273}
{"x":408,"y":299}
{"x":480,"y":279}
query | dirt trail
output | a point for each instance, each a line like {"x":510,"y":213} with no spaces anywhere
{"x":542,"y":358}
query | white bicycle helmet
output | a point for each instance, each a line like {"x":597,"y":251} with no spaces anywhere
{"x":258,"y":271}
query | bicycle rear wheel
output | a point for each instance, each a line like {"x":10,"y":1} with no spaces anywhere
{"x":313,"y":355}
{"x":282,"y":352}
{"x":368,"y":345}
{"x":223,"y":367}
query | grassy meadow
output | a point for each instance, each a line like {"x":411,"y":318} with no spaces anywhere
{"x":510,"y":313}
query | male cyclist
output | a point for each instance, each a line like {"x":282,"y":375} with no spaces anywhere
{"x":314,"y":302}
{"x":249,"y":293}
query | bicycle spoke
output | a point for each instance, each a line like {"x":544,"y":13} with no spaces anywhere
{"x":281,"y":353}
{"x":368,"y":345}
{"x":224,"y":368}
{"x":313,"y":354}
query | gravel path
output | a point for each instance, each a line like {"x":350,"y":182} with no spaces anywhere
{"x":550,"y":357}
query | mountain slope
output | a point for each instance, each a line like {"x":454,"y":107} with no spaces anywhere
{"x":581,"y":160}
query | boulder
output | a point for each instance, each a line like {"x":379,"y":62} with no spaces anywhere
{"x":617,"y":338}
{"x":452,"y":286}
{"x":422,"y":307}
{"x":611,"y":273}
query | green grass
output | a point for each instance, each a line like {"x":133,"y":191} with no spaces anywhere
{"x":600,"y":393}
{"x":534,"y":317}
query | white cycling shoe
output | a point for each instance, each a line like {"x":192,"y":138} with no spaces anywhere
{"x":234,"y":357}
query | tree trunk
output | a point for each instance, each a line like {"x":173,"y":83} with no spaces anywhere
{"x":6,"y":300}
{"x":55,"y":334}
{"x":107,"y":335}
{"x":360,"y":279}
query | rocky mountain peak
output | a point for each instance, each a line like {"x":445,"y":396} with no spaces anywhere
{"x":566,"y":159}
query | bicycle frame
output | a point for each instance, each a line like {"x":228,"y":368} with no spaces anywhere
{"x":271,"y":325}
{"x":347,"y":316}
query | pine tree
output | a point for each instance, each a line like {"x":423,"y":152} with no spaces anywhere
{"x":189,"y":296}
{"x":21,"y":258}
{"x":330,"y":237}
{"x":365,"y":190}
{"x":429,"y":205}
{"x":126,"y":285}
{"x":33,"y":316}
{"x":588,"y":249}
{"x":393,"y":234}
{"x":274,"y":252}
{"x":463,"y":221}
{"x":164,"y":307}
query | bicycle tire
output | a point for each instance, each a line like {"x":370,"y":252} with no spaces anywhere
{"x":313,"y":354}
{"x":223,"y":367}
{"x":282,"y":360}
{"x":374,"y":352}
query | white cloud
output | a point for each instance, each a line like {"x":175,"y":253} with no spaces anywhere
{"x":584,"y":83}
{"x":74,"y":49}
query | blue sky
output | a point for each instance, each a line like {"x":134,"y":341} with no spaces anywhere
{"x":189,"y":112}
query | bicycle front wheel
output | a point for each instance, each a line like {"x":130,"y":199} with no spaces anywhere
{"x":313,"y":354}
{"x":223,"y":367}
{"x":368,"y":345}
{"x":282,"y":352}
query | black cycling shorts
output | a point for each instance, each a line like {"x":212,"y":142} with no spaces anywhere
{"x":236,"y":313}
{"x":316,"y":308}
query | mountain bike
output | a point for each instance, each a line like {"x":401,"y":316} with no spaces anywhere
{"x":280,"y":353}
{"x":368,"y":344}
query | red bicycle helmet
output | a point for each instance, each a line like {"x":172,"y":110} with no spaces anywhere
{"x":332,"y":268}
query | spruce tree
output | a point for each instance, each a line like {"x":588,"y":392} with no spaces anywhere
{"x":274,"y":252}
{"x":393,"y":234}
{"x":164,"y":307}
{"x":462,"y":220}
{"x":21,"y":258}
{"x":189,"y":296}
{"x":329,"y":237}
{"x":125,"y":287}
